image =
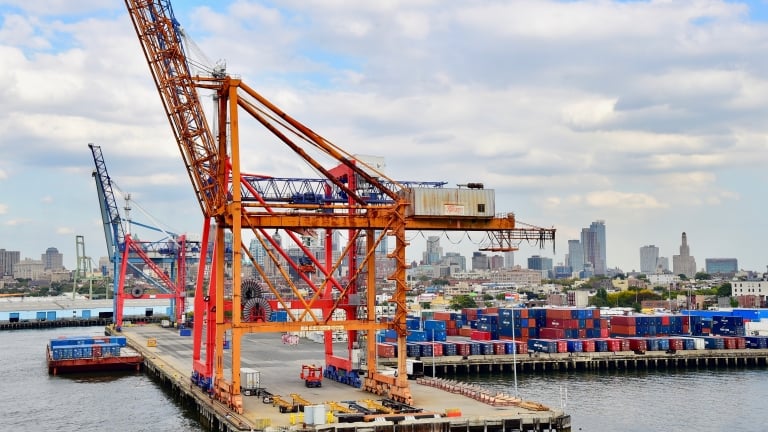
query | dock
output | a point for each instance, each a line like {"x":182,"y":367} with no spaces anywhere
{"x":441,"y":405}
{"x":595,"y":361}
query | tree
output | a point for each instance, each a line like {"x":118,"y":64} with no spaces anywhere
{"x":462,"y":302}
{"x":724,"y":290}
{"x":702,"y":276}
{"x":600,"y":299}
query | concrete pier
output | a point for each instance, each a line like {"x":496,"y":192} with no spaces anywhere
{"x":442,"y":407}
{"x":544,"y":362}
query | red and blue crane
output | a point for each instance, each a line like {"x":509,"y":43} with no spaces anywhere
{"x":166,"y":258}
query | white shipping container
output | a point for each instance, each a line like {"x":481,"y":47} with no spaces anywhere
{"x":250,"y":379}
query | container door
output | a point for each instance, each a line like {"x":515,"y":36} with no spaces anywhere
{"x":51,"y":316}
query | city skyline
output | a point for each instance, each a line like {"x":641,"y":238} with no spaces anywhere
{"x":647,"y":115}
{"x":433,"y":243}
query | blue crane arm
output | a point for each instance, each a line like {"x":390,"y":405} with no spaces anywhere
{"x":114,"y":232}
{"x":320,"y":191}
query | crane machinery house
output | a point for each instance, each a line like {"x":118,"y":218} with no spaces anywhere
{"x":449,"y":202}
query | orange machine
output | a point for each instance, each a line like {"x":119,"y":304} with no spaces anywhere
{"x":312,"y":375}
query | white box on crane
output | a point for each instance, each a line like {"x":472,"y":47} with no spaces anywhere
{"x":450,"y":202}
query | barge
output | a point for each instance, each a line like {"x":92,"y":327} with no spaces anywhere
{"x":91,"y":354}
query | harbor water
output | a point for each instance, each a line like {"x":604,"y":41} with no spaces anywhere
{"x":32,"y":400}
{"x":725,"y":399}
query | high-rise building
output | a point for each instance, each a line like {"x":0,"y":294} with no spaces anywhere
{"x":684,"y":263}
{"x":52,"y":259}
{"x":480,"y":261}
{"x":497,"y":262}
{"x":455,"y":259}
{"x":434,"y":253}
{"x":541,"y":263}
{"x":649,"y":257}
{"x":593,"y":243}
{"x":258,"y":252}
{"x":721,"y":266}
{"x":662,"y":264}
{"x":575,"y":255}
{"x":509,"y":259}
{"x":7,"y":260}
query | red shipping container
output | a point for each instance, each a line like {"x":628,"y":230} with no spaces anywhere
{"x":524,"y":332}
{"x":676,"y":344}
{"x":614,"y":345}
{"x":442,"y":315}
{"x":551,"y":333}
{"x":741,"y":343}
{"x":463,"y":348}
{"x":555,"y":323}
{"x":590,"y":323}
{"x":623,"y":321}
{"x":604,"y":332}
{"x":582,"y":333}
{"x":521,"y":347}
{"x":386,"y":350}
{"x":638,"y":345}
{"x":621,"y":330}
{"x":588,"y":345}
{"x":437,"y":349}
{"x":491,"y":310}
{"x":499,"y":348}
{"x":595,"y":313}
{"x":558,"y":314}
{"x":480,"y":335}
{"x":452,"y":331}
{"x":562,"y":346}
{"x":665,"y":320}
{"x":523,"y":312}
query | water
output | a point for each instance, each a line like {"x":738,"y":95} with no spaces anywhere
{"x":32,"y":400}
{"x":694,"y":400}
{"x":638,"y":401}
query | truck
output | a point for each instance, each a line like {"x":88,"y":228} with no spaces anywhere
{"x":414,"y":368}
{"x":250,"y":382}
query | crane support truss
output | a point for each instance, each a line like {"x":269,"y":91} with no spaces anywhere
{"x":352,"y":196}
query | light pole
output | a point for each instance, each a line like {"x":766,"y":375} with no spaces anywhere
{"x":433,"y":352}
{"x":514,"y":353}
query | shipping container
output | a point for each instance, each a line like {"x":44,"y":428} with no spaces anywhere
{"x":386,"y":350}
{"x":542,"y":345}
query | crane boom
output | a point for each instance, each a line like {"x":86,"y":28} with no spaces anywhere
{"x":114,"y":232}
{"x":160,"y":37}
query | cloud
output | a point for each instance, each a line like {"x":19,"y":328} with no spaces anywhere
{"x":3,"y":208}
{"x":18,"y":222}
{"x":64,"y":231}
{"x":47,"y":200}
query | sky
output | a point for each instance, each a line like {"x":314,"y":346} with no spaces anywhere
{"x":649,"y":115}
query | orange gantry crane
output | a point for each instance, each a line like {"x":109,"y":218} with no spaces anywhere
{"x":374,"y":207}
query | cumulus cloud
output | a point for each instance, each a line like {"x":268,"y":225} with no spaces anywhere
{"x":65,"y":230}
